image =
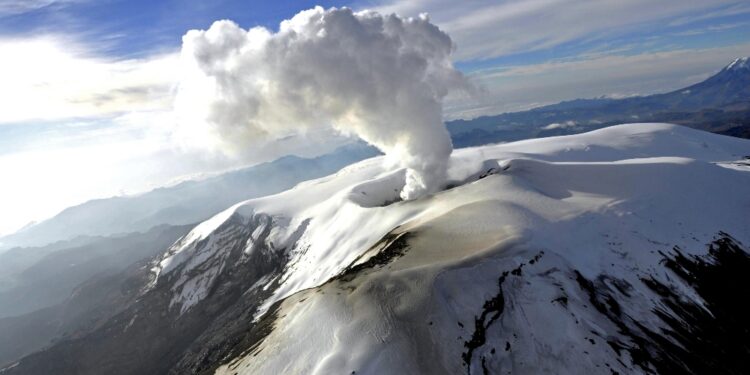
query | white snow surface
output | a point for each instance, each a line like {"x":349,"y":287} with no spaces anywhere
{"x":740,"y":63}
{"x":586,"y":200}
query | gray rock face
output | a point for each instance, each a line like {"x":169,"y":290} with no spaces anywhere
{"x":153,"y":336}
{"x":73,"y":290}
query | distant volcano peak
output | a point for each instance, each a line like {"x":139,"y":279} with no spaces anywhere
{"x":739,"y":63}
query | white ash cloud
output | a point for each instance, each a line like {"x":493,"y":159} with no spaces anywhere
{"x":379,"y":77}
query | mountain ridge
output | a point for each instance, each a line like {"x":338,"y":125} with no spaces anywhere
{"x":719,"y":104}
{"x":186,"y":202}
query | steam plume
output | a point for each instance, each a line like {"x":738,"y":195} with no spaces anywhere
{"x":380,"y":77}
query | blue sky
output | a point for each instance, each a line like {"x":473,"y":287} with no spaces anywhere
{"x":88,"y":84}
{"x":141,"y":27}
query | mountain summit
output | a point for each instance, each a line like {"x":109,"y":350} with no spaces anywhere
{"x":621,"y":250}
{"x":729,"y":87}
{"x":739,"y":64}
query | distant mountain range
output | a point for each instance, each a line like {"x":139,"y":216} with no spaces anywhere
{"x":68,"y":288}
{"x":187,"y":202}
{"x":720,"y":104}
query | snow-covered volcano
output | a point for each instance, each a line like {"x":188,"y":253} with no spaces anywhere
{"x":614,"y":251}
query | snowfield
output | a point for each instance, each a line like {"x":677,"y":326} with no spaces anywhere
{"x":536,"y":258}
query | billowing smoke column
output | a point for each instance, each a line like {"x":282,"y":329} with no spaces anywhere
{"x":380,"y":77}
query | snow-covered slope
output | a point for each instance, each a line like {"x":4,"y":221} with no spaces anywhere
{"x":605,"y":252}
{"x":601,"y":203}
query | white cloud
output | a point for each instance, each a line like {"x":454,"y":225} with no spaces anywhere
{"x":10,"y":7}
{"x":557,"y":125}
{"x":711,"y":29}
{"x":489,"y":28}
{"x":46,"y":78}
{"x":737,"y":8}
{"x":381,"y":78}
